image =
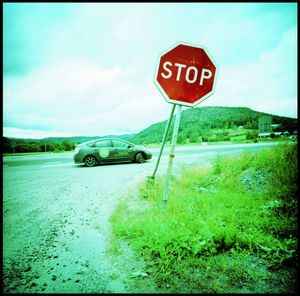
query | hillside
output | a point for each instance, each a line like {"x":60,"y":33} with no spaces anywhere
{"x":55,"y":144}
{"x":77,"y":139}
{"x":207,"y":124}
{"x":201,"y":122}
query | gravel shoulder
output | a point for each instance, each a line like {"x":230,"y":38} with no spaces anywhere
{"x":56,"y":230}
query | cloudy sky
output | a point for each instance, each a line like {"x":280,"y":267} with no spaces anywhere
{"x":86,"y":69}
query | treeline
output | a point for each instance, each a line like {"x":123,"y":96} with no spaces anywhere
{"x":205,"y":124}
{"x":212,"y":124}
{"x":19,"y":146}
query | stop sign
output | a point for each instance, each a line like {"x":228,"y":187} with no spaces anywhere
{"x":185,"y":74}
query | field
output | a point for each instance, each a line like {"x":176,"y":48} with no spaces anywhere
{"x":229,"y":227}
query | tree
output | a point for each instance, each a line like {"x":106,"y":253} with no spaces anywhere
{"x":66,"y":145}
{"x":181,"y":139}
{"x":194,"y":137}
{"x":7,"y":147}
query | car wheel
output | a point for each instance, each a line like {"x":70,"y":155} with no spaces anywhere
{"x":90,"y":161}
{"x":140,"y":158}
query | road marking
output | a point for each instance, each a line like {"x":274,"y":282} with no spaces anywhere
{"x":53,"y":165}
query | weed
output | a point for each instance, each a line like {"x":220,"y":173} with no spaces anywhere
{"x":210,"y":214}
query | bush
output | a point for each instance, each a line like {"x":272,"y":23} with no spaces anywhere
{"x":181,"y":139}
{"x":31,"y":147}
{"x":194,"y":138}
{"x":209,"y":212}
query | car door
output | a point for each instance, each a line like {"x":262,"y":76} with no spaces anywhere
{"x":103,"y":150}
{"x":122,"y":150}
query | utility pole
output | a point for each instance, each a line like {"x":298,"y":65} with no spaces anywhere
{"x":13,"y":145}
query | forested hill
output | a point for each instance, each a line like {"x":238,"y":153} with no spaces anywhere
{"x":207,"y":124}
{"x":201,"y":121}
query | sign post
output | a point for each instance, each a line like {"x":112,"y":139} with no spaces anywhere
{"x":163,"y":141}
{"x":172,"y":155}
{"x":185,"y":75}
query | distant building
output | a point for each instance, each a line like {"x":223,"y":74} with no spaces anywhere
{"x":276,"y":134}
{"x":274,"y":125}
{"x":264,"y":135}
{"x":264,"y":124}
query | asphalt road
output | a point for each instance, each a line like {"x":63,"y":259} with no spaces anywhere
{"x":196,"y":152}
{"x":55,"y":217}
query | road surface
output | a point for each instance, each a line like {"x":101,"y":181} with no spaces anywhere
{"x":55,"y":217}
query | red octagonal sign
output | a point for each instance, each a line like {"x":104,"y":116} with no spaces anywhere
{"x":185,"y":74}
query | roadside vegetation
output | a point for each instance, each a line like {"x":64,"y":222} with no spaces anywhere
{"x":230,"y":226}
{"x":23,"y":147}
{"x":215,"y":124}
{"x":197,"y":125}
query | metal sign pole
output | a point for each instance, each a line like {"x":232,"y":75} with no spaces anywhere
{"x":164,"y":140}
{"x":171,"y":156}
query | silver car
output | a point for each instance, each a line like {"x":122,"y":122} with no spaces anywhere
{"x":109,"y":150}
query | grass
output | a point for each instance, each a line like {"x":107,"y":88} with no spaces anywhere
{"x":235,"y":139}
{"x":220,"y":219}
{"x":32,"y":153}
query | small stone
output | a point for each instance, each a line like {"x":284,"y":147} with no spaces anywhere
{"x":27,"y":269}
{"x":54,"y":277}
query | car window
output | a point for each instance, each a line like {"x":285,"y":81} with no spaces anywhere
{"x":104,"y":143}
{"x":120,"y":144}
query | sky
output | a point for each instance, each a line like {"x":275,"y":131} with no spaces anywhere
{"x":86,"y":69}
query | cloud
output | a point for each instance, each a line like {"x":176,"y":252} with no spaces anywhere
{"x":87,"y":68}
{"x":31,"y":133}
{"x":266,"y":85}
{"x":242,"y":31}
{"x":26,"y":34}
{"x":82,"y":98}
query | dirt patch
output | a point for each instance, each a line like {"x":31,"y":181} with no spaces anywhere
{"x":255,"y":180}
{"x":128,"y":272}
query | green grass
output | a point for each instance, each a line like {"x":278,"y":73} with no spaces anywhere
{"x":212,"y":217}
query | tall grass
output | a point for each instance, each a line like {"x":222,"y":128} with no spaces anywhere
{"x":211,"y":211}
